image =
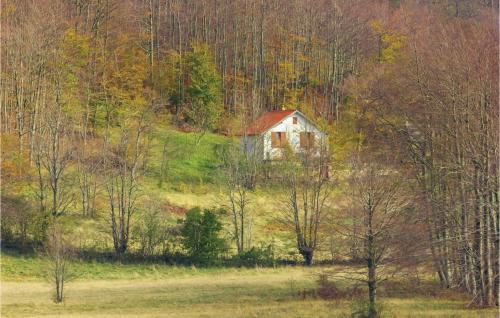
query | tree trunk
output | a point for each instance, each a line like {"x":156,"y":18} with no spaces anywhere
{"x":307,"y":253}
{"x":372,"y":287}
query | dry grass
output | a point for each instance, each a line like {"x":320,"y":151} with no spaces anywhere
{"x":222,"y":293}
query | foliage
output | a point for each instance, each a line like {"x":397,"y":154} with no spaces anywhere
{"x":17,"y":221}
{"x":391,"y":42}
{"x":151,"y":229}
{"x":126,"y":96}
{"x":201,"y":236}
{"x":203,"y":91}
{"x":255,"y":256}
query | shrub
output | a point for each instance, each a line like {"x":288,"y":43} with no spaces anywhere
{"x":150,"y":230}
{"x":262,"y":256}
{"x":200,"y":236}
{"x":18,"y":222}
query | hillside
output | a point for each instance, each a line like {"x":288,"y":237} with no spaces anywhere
{"x":375,"y":129}
{"x":192,"y":178}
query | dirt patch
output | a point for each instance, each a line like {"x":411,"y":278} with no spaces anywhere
{"x":171,"y":209}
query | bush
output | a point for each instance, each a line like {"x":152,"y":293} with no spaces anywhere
{"x":19,"y":223}
{"x":200,"y":236}
{"x":261,"y":256}
{"x":150,"y":230}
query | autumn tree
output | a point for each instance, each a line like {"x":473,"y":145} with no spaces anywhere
{"x":239,"y":170}
{"x":442,"y":133}
{"x":308,"y":188}
{"x":203,"y":91}
{"x":126,"y":151}
{"x":59,"y":254}
{"x":125,"y":165}
{"x":380,"y":202}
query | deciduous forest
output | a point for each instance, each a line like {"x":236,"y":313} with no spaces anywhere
{"x":121,"y":125}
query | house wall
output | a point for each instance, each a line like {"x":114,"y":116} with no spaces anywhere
{"x":292,"y":135}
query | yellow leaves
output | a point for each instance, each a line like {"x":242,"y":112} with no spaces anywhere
{"x":75,"y":46}
{"x":128,"y":71}
{"x":391,"y":42}
{"x":376,"y":26}
{"x":292,"y":98}
{"x":7,"y":9}
{"x":286,"y":72}
{"x":69,"y":65}
{"x":15,"y":166}
{"x":303,"y":58}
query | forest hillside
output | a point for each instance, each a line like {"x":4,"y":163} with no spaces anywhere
{"x":122,"y":132}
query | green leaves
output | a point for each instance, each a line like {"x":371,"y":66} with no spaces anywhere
{"x":200,"y":235}
{"x":203,"y":89}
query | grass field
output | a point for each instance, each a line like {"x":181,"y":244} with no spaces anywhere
{"x":187,"y":163}
{"x":113,"y":290}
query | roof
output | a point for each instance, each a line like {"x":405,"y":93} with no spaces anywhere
{"x":266,"y":121}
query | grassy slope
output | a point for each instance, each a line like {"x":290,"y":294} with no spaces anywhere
{"x":188,"y":163}
{"x":112,"y":290}
{"x":192,"y":179}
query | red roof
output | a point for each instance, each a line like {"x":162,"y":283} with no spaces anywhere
{"x":266,"y":121}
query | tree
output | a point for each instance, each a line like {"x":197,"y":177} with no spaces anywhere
{"x":59,"y":254}
{"x":380,"y":202}
{"x":437,"y":113}
{"x":201,"y":235}
{"x":239,"y":169}
{"x":150,"y":230}
{"x":16,"y":218}
{"x":203,"y":91}
{"x":124,"y":166}
{"x":308,"y":188}
{"x":53,"y":156}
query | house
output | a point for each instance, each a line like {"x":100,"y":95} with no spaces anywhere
{"x":273,"y":131}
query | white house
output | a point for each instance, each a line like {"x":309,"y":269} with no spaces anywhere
{"x":272,"y":131}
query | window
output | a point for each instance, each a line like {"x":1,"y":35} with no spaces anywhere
{"x":306,"y":140}
{"x":294,"y":120}
{"x":278,"y":139}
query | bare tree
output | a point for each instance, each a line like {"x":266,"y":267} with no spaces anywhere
{"x":125,"y":165}
{"x":379,"y":202}
{"x":59,"y":253}
{"x":54,"y":155}
{"x":308,"y":188}
{"x":88,"y":168}
{"x":239,"y":170}
{"x":151,"y":230}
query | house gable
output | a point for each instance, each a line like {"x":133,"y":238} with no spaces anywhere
{"x":290,"y":128}
{"x":266,"y":121}
{"x":302,"y":123}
